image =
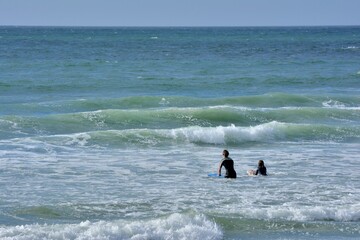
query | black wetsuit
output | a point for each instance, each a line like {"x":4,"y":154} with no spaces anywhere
{"x":261,"y":170}
{"x":228,"y":163}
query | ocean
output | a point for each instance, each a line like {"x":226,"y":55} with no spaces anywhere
{"x":111,"y":132}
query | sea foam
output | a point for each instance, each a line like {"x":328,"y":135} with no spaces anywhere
{"x":310,"y":213}
{"x":175,"y":226}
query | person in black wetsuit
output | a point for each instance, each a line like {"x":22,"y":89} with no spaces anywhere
{"x":261,"y":168}
{"x":228,"y":163}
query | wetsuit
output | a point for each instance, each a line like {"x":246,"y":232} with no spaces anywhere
{"x":261,"y":170}
{"x":228,"y":163}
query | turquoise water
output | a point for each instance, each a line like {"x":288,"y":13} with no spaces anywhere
{"x":110,"y":133}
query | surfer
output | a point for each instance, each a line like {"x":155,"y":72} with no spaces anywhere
{"x":228,"y":163}
{"x":261,"y":169}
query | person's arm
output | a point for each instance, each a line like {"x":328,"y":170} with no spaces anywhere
{"x":256,"y":172}
{"x":219,"y":170}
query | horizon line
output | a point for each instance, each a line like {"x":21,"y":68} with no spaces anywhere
{"x":178,"y":26}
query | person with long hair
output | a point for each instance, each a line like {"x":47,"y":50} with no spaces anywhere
{"x":260,"y":170}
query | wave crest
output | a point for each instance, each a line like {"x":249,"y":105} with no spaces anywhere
{"x":220,"y":135}
{"x":175,"y":226}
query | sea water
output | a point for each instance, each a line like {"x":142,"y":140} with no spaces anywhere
{"x":110,"y":133}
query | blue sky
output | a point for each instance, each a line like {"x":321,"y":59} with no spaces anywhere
{"x":180,"y":12}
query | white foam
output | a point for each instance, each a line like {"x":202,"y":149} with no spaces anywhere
{"x":95,"y":117}
{"x":231,"y":107}
{"x":7,"y":122}
{"x":164,"y":102}
{"x":338,"y":105}
{"x":221,"y":134}
{"x":176,"y":226}
{"x":333,"y":104}
{"x":309,"y":213}
{"x":351,"y":47}
{"x":80,"y":139}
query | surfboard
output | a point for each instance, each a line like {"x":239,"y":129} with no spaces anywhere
{"x":215,"y":175}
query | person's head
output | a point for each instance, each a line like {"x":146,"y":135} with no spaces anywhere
{"x":226,"y":153}
{"x":261,"y":163}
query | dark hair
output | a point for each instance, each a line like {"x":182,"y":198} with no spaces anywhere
{"x":261,"y":163}
{"x":226,"y":153}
